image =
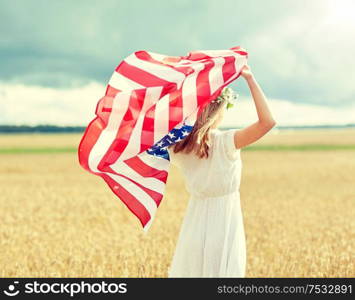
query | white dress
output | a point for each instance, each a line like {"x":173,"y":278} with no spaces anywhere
{"x":211,"y":241}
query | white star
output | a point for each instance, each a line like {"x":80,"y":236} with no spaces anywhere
{"x":171,"y":135}
{"x":160,"y":144}
{"x":178,"y":139}
{"x":164,"y":148}
{"x":185,"y":133}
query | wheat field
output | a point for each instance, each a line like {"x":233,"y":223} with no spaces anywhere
{"x":57,"y":220}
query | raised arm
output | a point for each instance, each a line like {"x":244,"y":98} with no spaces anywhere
{"x":266,"y":122}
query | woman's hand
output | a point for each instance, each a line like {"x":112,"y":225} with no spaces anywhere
{"x":246,"y":72}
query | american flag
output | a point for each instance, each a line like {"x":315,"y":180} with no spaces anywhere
{"x":151,"y":101}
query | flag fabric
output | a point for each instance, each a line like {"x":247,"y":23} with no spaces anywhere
{"x":151,"y":101}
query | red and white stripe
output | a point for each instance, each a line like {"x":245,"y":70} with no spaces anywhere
{"x":147,"y":96}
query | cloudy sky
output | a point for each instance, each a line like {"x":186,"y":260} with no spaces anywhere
{"x":57,"y":56}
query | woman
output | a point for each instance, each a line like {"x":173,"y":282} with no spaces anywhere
{"x":211,"y":241}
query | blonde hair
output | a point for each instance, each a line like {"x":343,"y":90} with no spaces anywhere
{"x":198,"y":140}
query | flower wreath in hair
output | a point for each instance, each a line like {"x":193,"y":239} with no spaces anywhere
{"x":227,"y":95}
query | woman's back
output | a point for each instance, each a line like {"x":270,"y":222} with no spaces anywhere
{"x":217,"y":175}
{"x":211,"y":241}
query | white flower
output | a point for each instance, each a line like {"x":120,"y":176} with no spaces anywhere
{"x":227,"y":95}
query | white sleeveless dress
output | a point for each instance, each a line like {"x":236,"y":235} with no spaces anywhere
{"x":211,"y":241}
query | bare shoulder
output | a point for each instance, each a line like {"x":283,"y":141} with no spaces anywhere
{"x":250,"y":134}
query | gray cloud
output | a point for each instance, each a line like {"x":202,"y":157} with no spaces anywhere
{"x":294,"y":55}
